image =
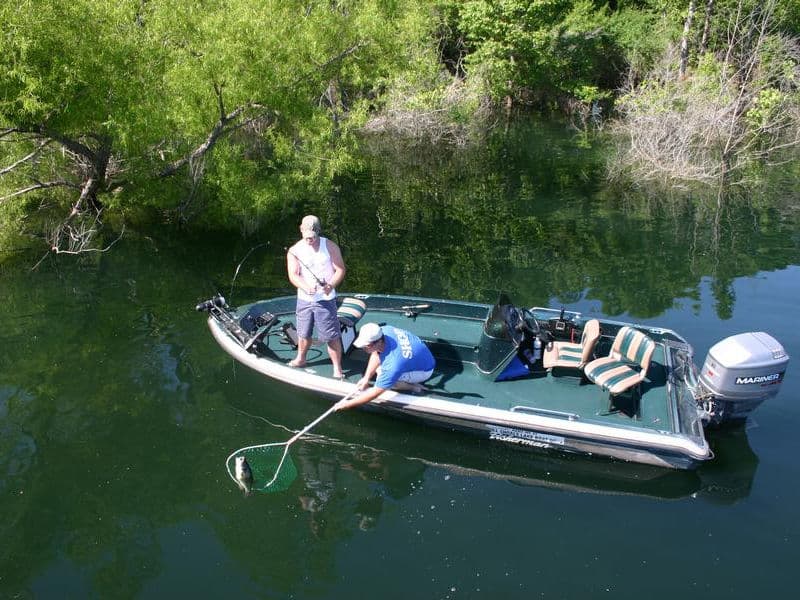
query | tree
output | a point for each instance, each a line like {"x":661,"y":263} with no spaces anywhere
{"x":175,"y":105}
{"x":62,"y":97}
{"x":687,"y":26}
{"x":537,"y":51}
{"x":738,"y":107}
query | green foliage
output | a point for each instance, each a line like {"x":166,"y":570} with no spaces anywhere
{"x":273,"y":96}
{"x":544,"y":50}
{"x":765,"y":106}
{"x":278,"y":79}
{"x":74,"y":83}
{"x":512,"y":41}
{"x":641,"y":35}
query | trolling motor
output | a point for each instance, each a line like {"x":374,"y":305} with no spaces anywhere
{"x":246,"y":330}
{"x":218,"y":301}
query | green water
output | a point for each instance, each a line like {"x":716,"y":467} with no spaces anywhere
{"x":118,"y":410}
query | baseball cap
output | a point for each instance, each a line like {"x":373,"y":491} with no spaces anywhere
{"x":370,"y":332}
{"x":310,"y":226}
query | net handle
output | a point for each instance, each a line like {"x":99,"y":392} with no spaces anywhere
{"x":316,"y":421}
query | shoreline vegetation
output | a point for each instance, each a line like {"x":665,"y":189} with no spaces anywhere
{"x":226,"y":113}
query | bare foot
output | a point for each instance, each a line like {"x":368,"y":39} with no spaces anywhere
{"x":295,"y":363}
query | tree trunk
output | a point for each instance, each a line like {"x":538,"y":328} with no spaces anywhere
{"x":707,"y":26}
{"x":687,"y":26}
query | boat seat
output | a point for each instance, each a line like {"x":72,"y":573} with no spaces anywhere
{"x":570,"y":354}
{"x":349,"y":312}
{"x":626,"y":364}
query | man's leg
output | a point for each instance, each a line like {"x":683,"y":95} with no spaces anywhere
{"x":335,"y":352}
{"x":305,"y":325}
{"x":329,"y":331}
{"x":412,"y":381}
{"x":404,"y":386}
{"x":303,"y":344}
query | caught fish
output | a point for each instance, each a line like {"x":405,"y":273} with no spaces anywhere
{"x":244,"y":475}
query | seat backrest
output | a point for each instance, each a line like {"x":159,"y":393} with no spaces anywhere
{"x":633,"y":346}
{"x":350,"y":311}
{"x":591,"y":331}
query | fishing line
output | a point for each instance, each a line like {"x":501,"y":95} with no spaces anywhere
{"x":309,"y":437}
{"x":239,"y":266}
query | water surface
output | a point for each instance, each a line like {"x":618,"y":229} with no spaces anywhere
{"x":118,"y":410}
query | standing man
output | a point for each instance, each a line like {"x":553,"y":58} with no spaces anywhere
{"x":401,"y":360}
{"x":316,"y":268}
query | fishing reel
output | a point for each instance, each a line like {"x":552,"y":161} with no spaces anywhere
{"x":217,"y":301}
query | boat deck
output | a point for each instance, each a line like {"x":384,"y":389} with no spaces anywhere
{"x":453,"y":340}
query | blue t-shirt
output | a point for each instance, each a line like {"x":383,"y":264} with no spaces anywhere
{"x":403,"y":352}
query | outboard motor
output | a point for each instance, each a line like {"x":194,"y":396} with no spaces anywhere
{"x":742,"y":371}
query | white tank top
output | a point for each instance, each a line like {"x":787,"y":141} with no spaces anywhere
{"x":314,"y":263}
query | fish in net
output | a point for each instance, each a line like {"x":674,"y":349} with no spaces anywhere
{"x":271,"y":468}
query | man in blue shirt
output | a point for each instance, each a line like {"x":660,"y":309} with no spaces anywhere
{"x":400,"y":359}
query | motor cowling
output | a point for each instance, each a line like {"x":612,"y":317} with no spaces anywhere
{"x":742,"y":371}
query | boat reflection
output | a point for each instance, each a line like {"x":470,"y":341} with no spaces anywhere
{"x":729,"y":477}
{"x":395,"y":471}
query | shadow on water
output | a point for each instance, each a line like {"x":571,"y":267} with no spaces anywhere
{"x":729,"y":476}
{"x":721,"y":482}
{"x":397,"y":456}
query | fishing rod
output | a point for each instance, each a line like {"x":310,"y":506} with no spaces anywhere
{"x":314,"y":275}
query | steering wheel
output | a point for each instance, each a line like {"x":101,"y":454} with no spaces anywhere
{"x":548,"y":338}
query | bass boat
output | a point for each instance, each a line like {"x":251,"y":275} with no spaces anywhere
{"x":536,"y":377}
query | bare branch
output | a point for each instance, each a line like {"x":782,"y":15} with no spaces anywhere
{"x":342,"y":55}
{"x":25,"y":159}
{"x":220,"y":128}
{"x":39,"y":186}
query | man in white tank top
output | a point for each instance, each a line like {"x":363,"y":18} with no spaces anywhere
{"x":316,"y":268}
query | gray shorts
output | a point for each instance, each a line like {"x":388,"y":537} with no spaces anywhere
{"x":321,"y":314}
{"x":416,"y":376}
{"x":412,"y":376}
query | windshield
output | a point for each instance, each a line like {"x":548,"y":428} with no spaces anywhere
{"x":502,"y":335}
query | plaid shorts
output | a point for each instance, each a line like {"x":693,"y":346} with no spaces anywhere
{"x":321,"y":314}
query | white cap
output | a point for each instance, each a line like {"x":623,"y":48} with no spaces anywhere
{"x":310,"y":226}
{"x":370,"y":332}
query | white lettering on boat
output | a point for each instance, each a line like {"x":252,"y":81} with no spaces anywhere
{"x":528,"y":438}
{"x":759,"y":379}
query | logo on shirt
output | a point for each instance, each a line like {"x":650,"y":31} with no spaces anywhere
{"x":405,"y":344}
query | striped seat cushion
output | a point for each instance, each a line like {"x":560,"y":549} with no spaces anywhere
{"x":627,"y":363}
{"x":570,"y":354}
{"x":612,"y":375}
{"x":351,"y":310}
{"x":563,"y":354}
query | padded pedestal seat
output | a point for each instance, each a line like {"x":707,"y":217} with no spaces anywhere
{"x":626,"y":364}
{"x":572,"y":355}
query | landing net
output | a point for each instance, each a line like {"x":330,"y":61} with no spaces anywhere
{"x":270,"y":464}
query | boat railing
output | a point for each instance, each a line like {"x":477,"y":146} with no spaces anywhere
{"x":546,"y":412}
